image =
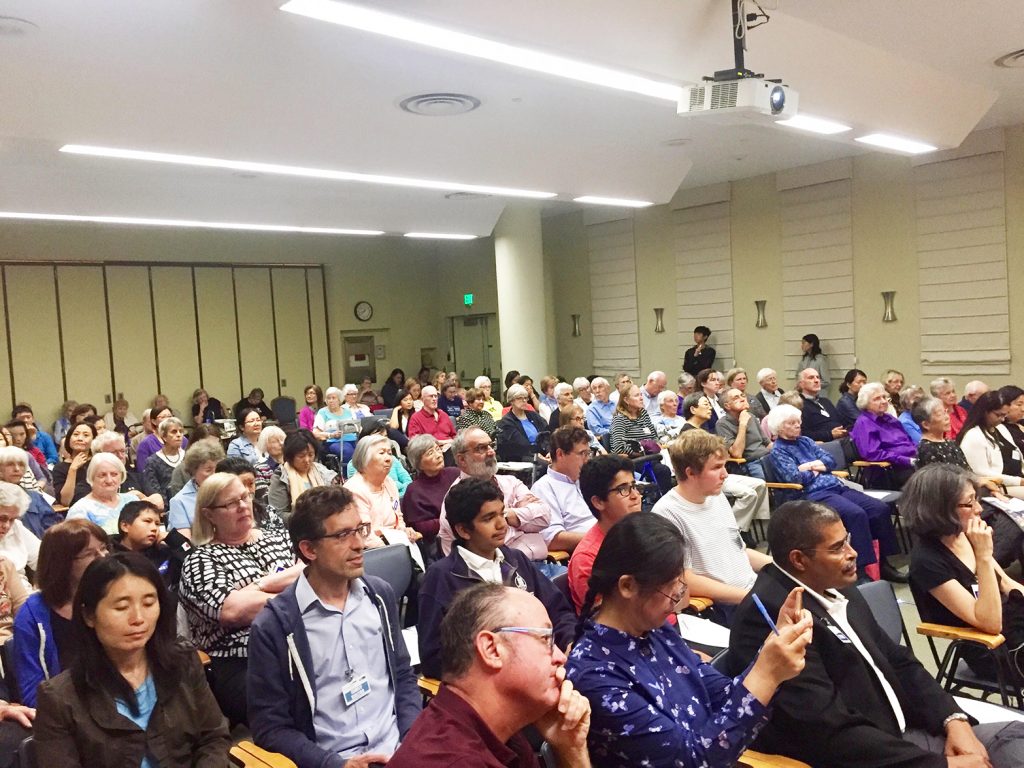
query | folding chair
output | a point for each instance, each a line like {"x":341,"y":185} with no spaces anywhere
{"x":955,"y":675}
{"x":881,"y":599}
{"x":247,"y":754}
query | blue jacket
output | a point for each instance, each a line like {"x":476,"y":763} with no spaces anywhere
{"x":281,"y":679}
{"x":35,"y":651}
{"x":450,"y":575}
{"x":39,"y":515}
{"x":786,"y":457}
{"x":45,"y":443}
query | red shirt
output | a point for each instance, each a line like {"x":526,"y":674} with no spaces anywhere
{"x":450,"y":734}
{"x":582,"y":563}
{"x":438,"y":424}
{"x":957,"y":417}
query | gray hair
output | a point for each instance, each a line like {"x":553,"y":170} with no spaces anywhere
{"x":781,"y":413}
{"x":655,"y":375}
{"x":101,"y":459}
{"x":664,"y":395}
{"x":692,"y":400}
{"x":516,"y":390}
{"x":334,"y":391}
{"x":686,"y":380}
{"x":939,"y":384}
{"x":975,"y":387}
{"x":349,"y":389}
{"x":459,"y":442}
{"x":12,"y":495}
{"x":561,"y":387}
{"x":599,"y":381}
{"x":12,"y":454}
{"x":910,"y":395}
{"x":764,"y":373}
{"x":417,"y":448}
{"x":868,"y":391}
{"x":105,"y":440}
{"x":580,"y":381}
{"x":166,"y":424}
{"x":199,"y":453}
{"x":361,"y":455}
{"x":925,"y":408}
{"x":480,"y":381}
{"x":266,"y":434}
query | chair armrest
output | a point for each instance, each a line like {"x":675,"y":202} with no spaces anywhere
{"x":862,"y":463}
{"x":731,"y":460}
{"x":248,"y":754}
{"x":204,"y":658}
{"x":558,"y":556}
{"x":785,"y":486}
{"x":961,"y":633}
{"x":429,"y":686}
{"x":840,"y":473}
{"x":700,"y":604}
{"x":754,"y":759}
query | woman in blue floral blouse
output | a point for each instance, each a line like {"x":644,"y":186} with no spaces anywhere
{"x":653,"y":701}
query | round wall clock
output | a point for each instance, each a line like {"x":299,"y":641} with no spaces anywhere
{"x":363,"y":311}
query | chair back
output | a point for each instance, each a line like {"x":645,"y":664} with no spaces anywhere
{"x":27,"y":753}
{"x":881,"y":599}
{"x":391,"y":563}
{"x":835,"y":449}
{"x":561,"y":582}
{"x":13,"y":692}
{"x":284,"y":411}
{"x":721,"y":661}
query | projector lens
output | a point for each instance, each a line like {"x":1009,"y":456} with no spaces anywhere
{"x":777,"y":99}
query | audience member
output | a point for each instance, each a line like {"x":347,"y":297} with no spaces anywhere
{"x":13,"y":594}
{"x":200,"y":463}
{"x":246,"y":445}
{"x":491,"y":405}
{"x":329,"y":425}
{"x":547,"y":392}
{"x":160,"y":466}
{"x":474,"y":415}
{"x":263,"y":517}
{"x":398,"y":473}
{"x":741,"y":431}
{"x":475,"y":510}
{"x":893,"y":381}
{"x":374,"y":492}
{"x":862,"y":700}
{"x":559,"y":489}
{"x":421,"y":505}
{"x":119,"y":419}
{"x":909,"y":397}
{"x":233,"y":572}
{"x":736,"y":378}
{"x":43,"y":640}
{"x":414,"y":388}
{"x":394,"y":384}
{"x":653,"y":701}
{"x":205,"y":409}
{"x":19,"y":545}
{"x":69,"y":483}
{"x":252,"y":401}
{"x":533,"y":400}
{"x":48,"y":445}
{"x":584,"y":396}
{"x":879,"y":436}
{"x":104,"y":501}
{"x":112,"y":442}
{"x":846,"y":406}
{"x":35,"y":476}
{"x":709,"y":383}
{"x":820,"y":419}
{"x":366,"y":394}
{"x":449,"y":402}
{"x":945,"y":391}
{"x":563,"y":399}
{"x":313,"y":401}
{"x":299,"y":472}
{"x":601,"y":410}
{"x":700,"y":355}
{"x":36,"y":513}
{"x":653,"y":387}
{"x":271,"y":446}
{"x":796,"y":459}
{"x":668,"y":422}
{"x":685,"y":384}
{"x":1012,"y":397}
{"x":138,"y":528}
{"x":768,"y":395}
{"x":972,"y":391}
{"x":611,"y":493}
{"x":813,"y":358}
{"x":501,"y":672}
{"x":319,"y":717}
{"x":430,"y":421}
{"x":519,"y":429}
{"x":988,"y":445}
{"x":152,"y":443}
{"x":63,"y":422}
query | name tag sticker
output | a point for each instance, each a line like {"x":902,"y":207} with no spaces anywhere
{"x":357,"y":689}
{"x":839,"y":633}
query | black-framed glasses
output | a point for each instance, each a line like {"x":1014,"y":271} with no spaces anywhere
{"x":544,"y":634}
{"x":363,"y":529}
{"x":626,"y":489}
{"x":677,"y":596}
{"x":836,"y":549}
{"x":234,"y":504}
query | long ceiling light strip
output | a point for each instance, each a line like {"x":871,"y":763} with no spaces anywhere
{"x":296,"y":170}
{"x":896,"y":143}
{"x":621,"y":202}
{"x":814,"y":125}
{"x":188,"y":223}
{"x":439,"y":236}
{"x":400,"y":28}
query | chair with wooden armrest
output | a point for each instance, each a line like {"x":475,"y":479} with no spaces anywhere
{"x":204,"y":658}
{"x":752,"y":759}
{"x":558,"y":556}
{"x":955,"y":675}
{"x":429,"y":686}
{"x":247,"y":754}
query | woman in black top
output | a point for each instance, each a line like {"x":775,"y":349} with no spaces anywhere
{"x":69,"y":482}
{"x":389,"y":392}
{"x":954,"y":575}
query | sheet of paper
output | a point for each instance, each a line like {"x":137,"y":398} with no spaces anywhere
{"x":394,"y":536}
{"x":697,"y":630}
{"x":412,"y":644}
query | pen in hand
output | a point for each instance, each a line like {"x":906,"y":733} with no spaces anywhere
{"x":764,"y":612}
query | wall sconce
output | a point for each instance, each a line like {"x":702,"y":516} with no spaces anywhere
{"x":761,"y":322}
{"x":576,"y":325}
{"x":890,"y":312}
{"x":659,"y":319}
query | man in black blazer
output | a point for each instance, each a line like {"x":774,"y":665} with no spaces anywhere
{"x":844,"y":711}
{"x":820,"y":420}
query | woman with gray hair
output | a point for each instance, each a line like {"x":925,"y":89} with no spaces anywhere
{"x":103,"y":504}
{"x":945,"y":391}
{"x":271,"y":445}
{"x":17,"y":543}
{"x":519,"y":428}
{"x":156,"y":477}
{"x":879,"y":436}
{"x":910,"y":396}
{"x":200,"y":462}
{"x":374,"y":492}
{"x":421,"y":505}
{"x":38,"y":515}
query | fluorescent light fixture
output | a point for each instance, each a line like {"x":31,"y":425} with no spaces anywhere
{"x":400,"y":28}
{"x":888,"y":141}
{"x":814,"y":124}
{"x":295,"y":170}
{"x":619,"y":201}
{"x":144,"y":222}
{"x":439,"y":236}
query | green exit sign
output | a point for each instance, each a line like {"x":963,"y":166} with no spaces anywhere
{"x":467,"y":299}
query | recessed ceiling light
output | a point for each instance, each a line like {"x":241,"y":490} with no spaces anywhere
{"x":13,"y":26}
{"x":619,"y":201}
{"x":398,"y":27}
{"x":439,"y":104}
{"x":897,"y":143}
{"x":439,"y":236}
{"x":295,"y":170}
{"x":145,"y":222}
{"x":1011,"y":60}
{"x":814,"y":124}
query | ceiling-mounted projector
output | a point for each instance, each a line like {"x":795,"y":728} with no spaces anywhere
{"x":729,"y":101}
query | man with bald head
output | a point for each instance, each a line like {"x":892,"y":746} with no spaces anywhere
{"x":820,"y":418}
{"x":655,"y":385}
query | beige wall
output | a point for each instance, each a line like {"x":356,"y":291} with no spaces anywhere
{"x":885,"y":258}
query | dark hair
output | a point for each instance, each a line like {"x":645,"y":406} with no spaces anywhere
{"x":310,"y":511}
{"x":815,"y":343}
{"x":61,"y":544}
{"x":319,"y":394}
{"x":851,"y":374}
{"x":983,"y":406}
{"x":797,"y":525}
{"x":92,"y":669}
{"x":18,"y":424}
{"x":692,"y":400}
{"x":564,"y":439}
{"x":203,"y":431}
{"x":704,"y":375}
{"x":372,"y":425}
{"x":510,"y":378}
{"x":703,"y":330}
{"x":464,"y":500}
{"x":131,"y":511}
{"x":235,"y":465}
{"x":930,"y":500}
{"x":923,"y":410}
{"x":66,"y":442}
{"x":244,"y":414}
{"x":1009,"y":393}
{"x":21,"y":408}
{"x":395,"y":371}
{"x":647,"y":547}
{"x":597,"y":475}
{"x":81,"y":410}
{"x":474,"y":609}
{"x":294,"y":444}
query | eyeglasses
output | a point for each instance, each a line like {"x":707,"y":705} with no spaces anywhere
{"x":675,"y":597}
{"x":363,"y":529}
{"x":234,"y":505}
{"x":541,"y":633}
{"x":92,"y":554}
{"x":480,"y":449}
{"x":968,"y":504}
{"x":835,"y":549}
{"x":626,"y":489}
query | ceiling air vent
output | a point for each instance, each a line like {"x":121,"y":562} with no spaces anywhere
{"x":1012,"y":60}
{"x":439,"y":104}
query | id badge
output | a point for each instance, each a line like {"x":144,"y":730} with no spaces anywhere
{"x":839,"y":634}
{"x":355,"y":690}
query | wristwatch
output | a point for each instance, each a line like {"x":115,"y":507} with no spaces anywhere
{"x":955,"y":716}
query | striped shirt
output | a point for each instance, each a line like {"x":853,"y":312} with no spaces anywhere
{"x":626,"y":433}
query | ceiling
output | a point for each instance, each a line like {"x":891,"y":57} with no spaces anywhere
{"x":241,"y":80}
